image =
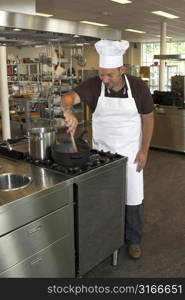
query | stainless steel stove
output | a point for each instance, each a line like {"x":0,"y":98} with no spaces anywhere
{"x":99,"y":189}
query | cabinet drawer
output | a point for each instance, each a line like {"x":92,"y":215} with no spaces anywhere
{"x":34,"y":236}
{"x":57,"y":260}
{"x":29,"y":208}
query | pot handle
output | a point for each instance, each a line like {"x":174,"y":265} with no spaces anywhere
{"x":76,"y":157}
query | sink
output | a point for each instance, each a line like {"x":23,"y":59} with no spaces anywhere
{"x":10,"y":181}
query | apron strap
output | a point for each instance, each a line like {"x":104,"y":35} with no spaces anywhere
{"x":102,"y":94}
{"x":128,"y":86}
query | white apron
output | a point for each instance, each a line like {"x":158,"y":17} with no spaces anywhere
{"x":117,"y":127}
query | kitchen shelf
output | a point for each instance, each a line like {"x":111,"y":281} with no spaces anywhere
{"x":39,"y":77}
{"x":29,"y":110}
{"x":17,"y":81}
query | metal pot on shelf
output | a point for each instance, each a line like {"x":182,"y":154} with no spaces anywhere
{"x":40,"y":141}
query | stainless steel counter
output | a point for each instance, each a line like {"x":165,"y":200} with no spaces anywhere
{"x":47,"y":192}
{"x":169,"y":129}
{"x":36,"y":224}
{"x":41,"y":179}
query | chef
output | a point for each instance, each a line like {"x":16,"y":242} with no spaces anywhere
{"x":122,"y":122}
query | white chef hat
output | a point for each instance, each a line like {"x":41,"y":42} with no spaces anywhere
{"x":111,"y":53}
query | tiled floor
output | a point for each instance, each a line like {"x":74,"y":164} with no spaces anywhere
{"x":164,"y":228}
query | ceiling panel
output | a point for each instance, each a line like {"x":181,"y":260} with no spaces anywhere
{"x":136,"y":15}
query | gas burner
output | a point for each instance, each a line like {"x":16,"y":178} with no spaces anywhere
{"x":97,"y":159}
{"x":111,"y":156}
{"x":94,"y":151}
{"x":105,"y":160}
{"x":37,"y":161}
{"x":63,"y":169}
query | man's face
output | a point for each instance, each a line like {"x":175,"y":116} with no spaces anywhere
{"x":111,"y":77}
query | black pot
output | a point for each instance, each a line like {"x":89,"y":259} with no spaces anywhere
{"x":62,"y":153}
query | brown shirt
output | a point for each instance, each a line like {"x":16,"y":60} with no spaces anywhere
{"x":89,"y":92}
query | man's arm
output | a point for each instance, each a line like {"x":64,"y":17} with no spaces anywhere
{"x":147,"y":130}
{"x":148,"y":126}
{"x":67,"y":101}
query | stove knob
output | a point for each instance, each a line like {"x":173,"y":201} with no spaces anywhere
{"x":97,"y":163}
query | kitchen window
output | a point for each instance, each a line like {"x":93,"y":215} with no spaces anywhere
{"x":148,"y":50}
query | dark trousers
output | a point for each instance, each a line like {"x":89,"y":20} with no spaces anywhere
{"x":134,"y":219}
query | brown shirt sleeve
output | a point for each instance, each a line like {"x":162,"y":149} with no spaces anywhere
{"x":141,"y":94}
{"x":89,"y":92}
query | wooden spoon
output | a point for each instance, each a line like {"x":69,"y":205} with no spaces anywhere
{"x":73,"y":143}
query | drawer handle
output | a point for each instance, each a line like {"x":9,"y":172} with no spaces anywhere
{"x":34,"y":229}
{"x":36,"y":261}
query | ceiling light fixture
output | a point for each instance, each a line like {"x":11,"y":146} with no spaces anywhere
{"x":133,"y":30}
{"x":167,"y":37}
{"x":39,"y":46}
{"x":54,"y":40}
{"x":76,"y":36}
{"x":16,"y":29}
{"x":122,"y":1}
{"x":93,"y":23}
{"x":43,"y":15}
{"x":164,"y":14}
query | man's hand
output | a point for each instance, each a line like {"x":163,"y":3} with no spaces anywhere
{"x":70,"y":121}
{"x":140,"y":160}
{"x":67,"y":102}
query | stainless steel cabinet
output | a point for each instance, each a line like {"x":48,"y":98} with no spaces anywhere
{"x":169,"y":130}
{"x":43,"y":248}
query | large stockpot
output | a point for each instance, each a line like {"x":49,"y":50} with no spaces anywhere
{"x":40,"y":141}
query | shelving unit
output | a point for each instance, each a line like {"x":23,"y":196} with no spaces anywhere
{"x":35,"y":90}
{"x":38,"y":74}
{"x":30,"y":110}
